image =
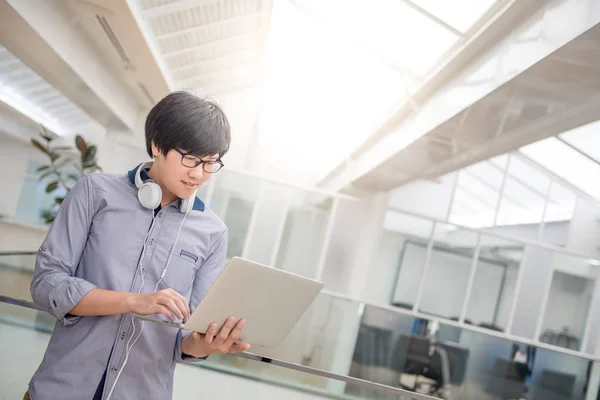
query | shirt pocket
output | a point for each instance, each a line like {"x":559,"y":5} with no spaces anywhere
{"x":180,"y":273}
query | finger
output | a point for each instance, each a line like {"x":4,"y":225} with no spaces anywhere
{"x":182,"y":307}
{"x":209,"y":336}
{"x":170,"y":304}
{"x":236,"y":332}
{"x":176,"y":294}
{"x":225,"y":330}
{"x":239,"y":347}
{"x":160,"y":309}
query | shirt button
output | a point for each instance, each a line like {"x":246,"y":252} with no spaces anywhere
{"x":122,"y":335}
{"x":151,"y":242}
{"x":159,"y":215}
{"x":112,"y":369}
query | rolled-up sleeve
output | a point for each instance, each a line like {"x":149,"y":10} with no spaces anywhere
{"x":205,"y":277}
{"x":54,"y":285}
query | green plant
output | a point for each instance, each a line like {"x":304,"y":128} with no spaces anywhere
{"x":65,"y":168}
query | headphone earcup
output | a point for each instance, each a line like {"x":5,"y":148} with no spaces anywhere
{"x":150,"y":195}
{"x":187,"y":205}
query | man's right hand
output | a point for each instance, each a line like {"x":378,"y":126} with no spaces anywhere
{"x":166,"y":302}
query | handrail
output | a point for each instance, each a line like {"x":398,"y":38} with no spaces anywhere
{"x":274,"y":361}
{"x":18,"y":253}
{"x":410,"y":313}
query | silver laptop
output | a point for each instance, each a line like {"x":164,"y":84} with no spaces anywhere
{"x":270,"y":300}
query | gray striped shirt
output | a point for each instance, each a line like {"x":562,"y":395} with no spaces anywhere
{"x":96,"y":241}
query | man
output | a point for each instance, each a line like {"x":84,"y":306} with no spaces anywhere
{"x":135,"y":243}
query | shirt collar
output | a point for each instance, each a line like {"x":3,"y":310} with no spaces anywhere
{"x":198,"y":204}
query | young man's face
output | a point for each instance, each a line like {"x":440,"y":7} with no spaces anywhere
{"x":179,"y":179}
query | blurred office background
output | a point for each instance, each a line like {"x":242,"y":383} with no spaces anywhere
{"x":436,"y":163}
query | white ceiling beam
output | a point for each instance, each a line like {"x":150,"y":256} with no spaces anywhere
{"x":228,"y":88}
{"x":204,"y":46}
{"x":199,"y":78}
{"x":233,"y":55}
{"x":204,"y":27}
{"x":171,"y":8}
{"x":53,"y":46}
{"x":402,"y":127}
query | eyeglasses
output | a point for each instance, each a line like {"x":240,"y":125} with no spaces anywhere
{"x":191,"y":161}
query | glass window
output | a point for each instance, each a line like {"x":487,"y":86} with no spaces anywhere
{"x":520,"y":204}
{"x":567,"y":163}
{"x":460,"y":14}
{"x":389,"y":27}
{"x":585,"y":138}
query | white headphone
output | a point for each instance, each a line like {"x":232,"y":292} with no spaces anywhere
{"x":150,"y":194}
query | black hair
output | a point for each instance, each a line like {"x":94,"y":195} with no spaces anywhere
{"x":183,"y":120}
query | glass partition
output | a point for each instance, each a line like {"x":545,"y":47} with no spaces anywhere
{"x":558,"y":215}
{"x":376,"y":344}
{"x":493,"y":290}
{"x":449,"y":267}
{"x":315,"y":342}
{"x":401,"y":259}
{"x":432,"y":357}
{"x":233,"y":199}
{"x":15,"y":276}
{"x":303,"y":233}
{"x":569,"y":301}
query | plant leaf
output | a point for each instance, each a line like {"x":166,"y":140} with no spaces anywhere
{"x":51,"y":186}
{"x":62,"y":148}
{"x":62,"y":163}
{"x":46,"y":174}
{"x":54,"y":156}
{"x":59,"y":200}
{"x":39,"y":146}
{"x":81,"y":144}
{"x":73,"y":177}
{"x":42,"y":168}
{"x":44,"y":133}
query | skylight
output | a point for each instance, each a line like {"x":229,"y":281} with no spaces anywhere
{"x":567,"y":163}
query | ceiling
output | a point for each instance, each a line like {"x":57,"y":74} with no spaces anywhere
{"x":307,"y":84}
{"x":209,"y":46}
{"x":556,"y":94}
{"x":23,"y":90}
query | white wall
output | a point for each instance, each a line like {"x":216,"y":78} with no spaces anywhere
{"x":14,"y":159}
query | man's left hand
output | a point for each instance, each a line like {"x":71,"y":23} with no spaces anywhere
{"x":225,"y":342}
